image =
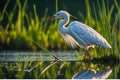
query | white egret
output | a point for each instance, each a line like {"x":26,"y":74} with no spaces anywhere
{"x":79,"y":34}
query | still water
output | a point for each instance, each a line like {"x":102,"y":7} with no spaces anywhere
{"x":40,"y":65}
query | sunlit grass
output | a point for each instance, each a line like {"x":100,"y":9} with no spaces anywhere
{"x":27,"y":28}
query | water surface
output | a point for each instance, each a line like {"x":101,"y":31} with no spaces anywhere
{"x":39,"y":65}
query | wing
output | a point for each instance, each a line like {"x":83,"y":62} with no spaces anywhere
{"x":86,"y":36}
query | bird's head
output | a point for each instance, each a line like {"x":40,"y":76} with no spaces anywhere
{"x":61,"y":14}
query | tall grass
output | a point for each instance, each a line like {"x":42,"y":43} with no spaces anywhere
{"x":105,"y":21}
{"x":27,"y":28}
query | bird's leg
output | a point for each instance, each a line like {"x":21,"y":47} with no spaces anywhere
{"x":87,"y":54}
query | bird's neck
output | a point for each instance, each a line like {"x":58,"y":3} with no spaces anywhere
{"x":65,"y":21}
{"x":62,"y":24}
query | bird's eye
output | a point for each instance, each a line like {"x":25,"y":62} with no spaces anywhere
{"x":57,"y":14}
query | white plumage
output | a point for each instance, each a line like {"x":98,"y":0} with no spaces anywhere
{"x":86,"y":36}
{"x":79,"y":34}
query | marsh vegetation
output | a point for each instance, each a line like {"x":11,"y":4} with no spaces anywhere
{"x":18,"y":29}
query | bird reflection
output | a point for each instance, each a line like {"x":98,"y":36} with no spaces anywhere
{"x":92,"y":74}
{"x":89,"y":73}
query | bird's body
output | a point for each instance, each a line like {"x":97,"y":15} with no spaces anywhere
{"x":79,"y":34}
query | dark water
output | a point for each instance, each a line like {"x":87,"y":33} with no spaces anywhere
{"x":40,"y":65}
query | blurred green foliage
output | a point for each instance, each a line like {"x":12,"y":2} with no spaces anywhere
{"x":17,"y":34}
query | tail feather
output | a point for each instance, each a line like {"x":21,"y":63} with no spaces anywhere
{"x":107,"y":45}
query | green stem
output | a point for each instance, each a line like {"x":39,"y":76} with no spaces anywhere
{"x":56,"y":5}
{"x":45,"y":50}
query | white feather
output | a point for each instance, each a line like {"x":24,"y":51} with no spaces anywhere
{"x":69,"y":40}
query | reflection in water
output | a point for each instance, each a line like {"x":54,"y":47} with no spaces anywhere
{"x":92,"y":74}
{"x":39,"y":67}
{"x":53,"y":70}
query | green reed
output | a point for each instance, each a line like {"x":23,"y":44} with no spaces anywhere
{"x":16,"y":34}
{"x":103,"y":22}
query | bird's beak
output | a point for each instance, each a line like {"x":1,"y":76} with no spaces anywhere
{"x":50,"y":18}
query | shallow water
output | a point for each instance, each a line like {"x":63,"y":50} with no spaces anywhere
{"x":40,"y":65}
{"x":38,"y":56}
